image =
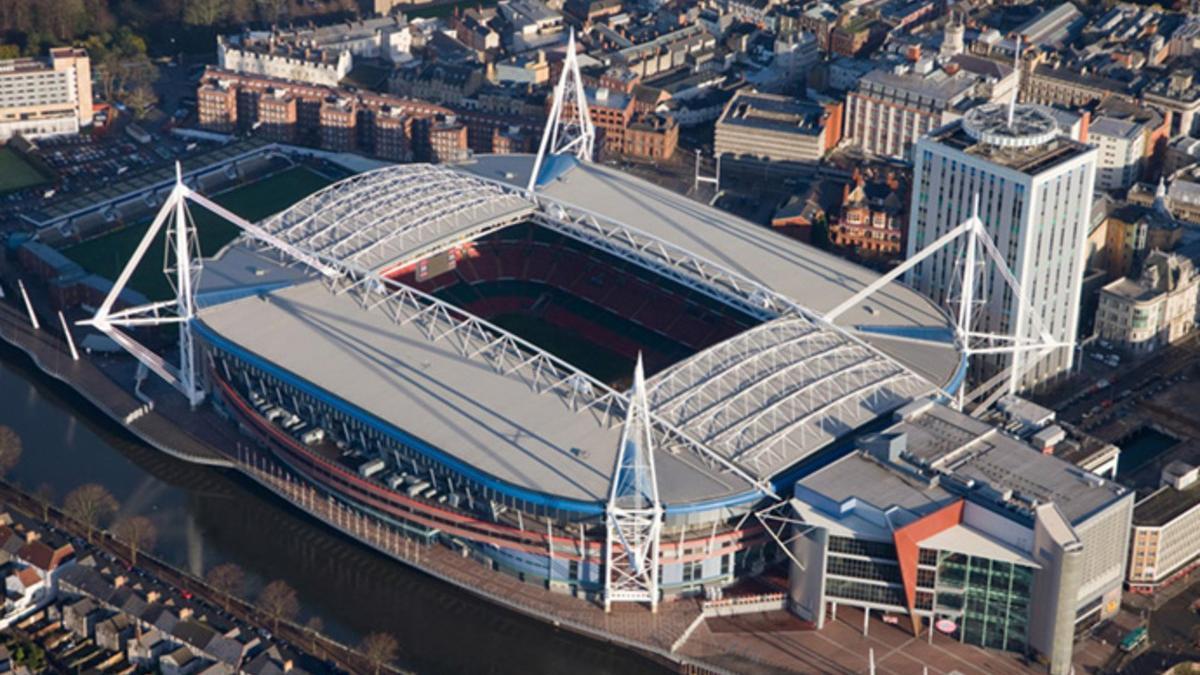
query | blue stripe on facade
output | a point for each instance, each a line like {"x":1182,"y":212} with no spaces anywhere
{"x":540,"y":499}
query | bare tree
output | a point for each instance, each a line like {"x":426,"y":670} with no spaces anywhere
{"x":279,"y":601}
{"x":205,"y":12}
{"x":315,"y":626}
{"x":381,"y":649}
{"x":10,"y":449}
{"x":227,"y":578}
{"x":271,"y":11}
{"x":90,"y":504}
{"x":138,"y":532}
{"x":45,"y":495}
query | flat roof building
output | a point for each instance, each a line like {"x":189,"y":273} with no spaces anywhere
{"x":890,"y":109}
{"x":45,"y":97}
{"x":1165,"y":542}
{"x":967,"y":531}
{"x":763,"y":129}
{"x":1034,"y":187}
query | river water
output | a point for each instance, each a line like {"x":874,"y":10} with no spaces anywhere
{"x":207,"y":516}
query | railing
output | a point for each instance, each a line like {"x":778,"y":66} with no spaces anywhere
{"x":745,"y":604}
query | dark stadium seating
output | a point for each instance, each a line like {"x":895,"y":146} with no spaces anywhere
{"x":603,"y":300}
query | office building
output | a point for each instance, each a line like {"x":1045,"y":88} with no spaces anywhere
{"x":1122,"y":152}
{"x":1035,"y":196}
{"x":965,"y":530}
{"x":764,"y":129}
{"x":45,"y":97}
{"x":890,"y":109}
{"x":1166,"y":531}
{"x":1152,"y":311}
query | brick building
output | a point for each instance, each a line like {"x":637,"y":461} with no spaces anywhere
{"x":872,"y":220}
{"x":327,"y":117}
{"x":651,"y":136}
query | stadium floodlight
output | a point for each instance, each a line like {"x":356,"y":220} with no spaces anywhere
{"x":634,"y":513}
{"x":567,"y":131}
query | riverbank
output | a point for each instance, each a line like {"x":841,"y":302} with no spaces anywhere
{"x":635,"y":628}
{"x":319,"y":647}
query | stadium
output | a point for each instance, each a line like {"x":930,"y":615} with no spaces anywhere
{"x":455,"y":353}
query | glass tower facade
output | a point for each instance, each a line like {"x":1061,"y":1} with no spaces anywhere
{"x":987,"y":599}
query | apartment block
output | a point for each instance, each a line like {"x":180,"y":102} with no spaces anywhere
{"x":45,"y":97}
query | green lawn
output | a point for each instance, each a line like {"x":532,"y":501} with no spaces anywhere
{"x":106,"y":255}
{"x":16,"y":173}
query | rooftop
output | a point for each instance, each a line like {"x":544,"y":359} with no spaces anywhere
{"x":397,"y":376}
{"x":1116,"y":128}
{"x":773,"y":112}
{"x":943,"y":455}
{"x":936,"y":89}
{"x":1031,"y":159}
{"x":1165,"y":505}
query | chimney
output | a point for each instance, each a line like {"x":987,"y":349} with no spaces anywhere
{"x":32,"y":536}
{"x":120,"y":581}
{"x":186,"y":613}
{"x":288,"y":665}
{"x":153,"y":596}
{"x":914,"y":53}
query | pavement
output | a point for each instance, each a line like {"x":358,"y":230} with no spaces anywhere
{"x":779,"y":642}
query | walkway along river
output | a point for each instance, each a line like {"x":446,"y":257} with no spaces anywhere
{"x":208,"y":516}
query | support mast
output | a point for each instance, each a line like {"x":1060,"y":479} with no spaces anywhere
{"x":634,"y":513}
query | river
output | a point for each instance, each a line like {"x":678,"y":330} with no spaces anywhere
{"x":207,"y":516}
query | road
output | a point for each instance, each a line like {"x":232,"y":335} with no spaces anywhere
{"x":1080,"y":397}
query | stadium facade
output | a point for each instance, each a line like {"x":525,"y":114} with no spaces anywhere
{"x":393,"y":390}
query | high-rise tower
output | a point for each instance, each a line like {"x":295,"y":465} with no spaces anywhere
{"x":1034,"y":187}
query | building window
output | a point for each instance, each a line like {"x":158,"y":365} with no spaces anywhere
{"x":862,"y":547}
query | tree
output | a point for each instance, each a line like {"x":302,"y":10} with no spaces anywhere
{"x":380,"y":649}
{"x":279,"y":601}
{"x":315,"y":626}
{"x":205,"y":13}
{"x":138,"y":532}
{"x":45,"y":496}
{"x":271,"y":11}
{"x":90,"y":504}
{"x":228,"y":579}
{"x":10,"y":449}
{"x":141,"y":99}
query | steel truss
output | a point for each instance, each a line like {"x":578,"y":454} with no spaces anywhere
{"x":394,"y":213}
{"x":480,"y":340}
{"x":776,"y":392}
{"x":566,"y":132}
{"x":634,"y":512}
{"x":976,"y":250}
{"x":780,"y":523}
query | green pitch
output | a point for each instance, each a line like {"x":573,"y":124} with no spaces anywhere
{"x":16,"y":173}
{"x":106,"y":255}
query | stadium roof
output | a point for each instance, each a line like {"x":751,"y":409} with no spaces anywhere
{"x":729,"y":417}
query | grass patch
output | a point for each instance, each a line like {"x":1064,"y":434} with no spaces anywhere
{"x":16,"y":173}
{"x":106,"y":255}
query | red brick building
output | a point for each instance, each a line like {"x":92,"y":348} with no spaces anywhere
{"x":651,"y":136}
{"x":326,"y":117}
{"x":872,"y":222}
